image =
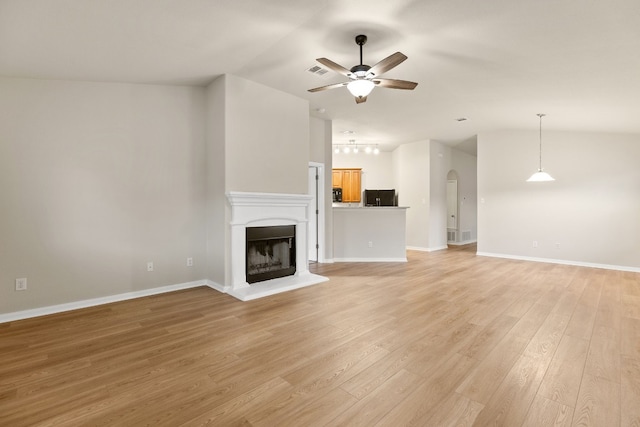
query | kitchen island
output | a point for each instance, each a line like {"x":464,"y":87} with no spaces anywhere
{"x":369,"y":234}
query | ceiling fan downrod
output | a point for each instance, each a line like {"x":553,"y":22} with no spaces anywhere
{"x":360,"y":41}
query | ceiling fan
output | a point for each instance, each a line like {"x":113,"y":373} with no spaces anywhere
{"x":363,"y":78}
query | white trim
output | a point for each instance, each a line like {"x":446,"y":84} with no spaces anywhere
{"x":561,"y":261}
{"x":370,"y":259}
{"x":321,"y":210}
{"x":421,"y":249}
{"x":261,"y":200}
{"x":59,"y":308}
{"x":217,"y":286}
{"x":466,"y":242}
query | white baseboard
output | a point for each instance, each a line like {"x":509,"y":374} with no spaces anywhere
{"x":59,"y":308}
{"x":421,"y":249}
{"x":370,"y":259}
{"x":217,"y":286}
{"x":561,"y":261}
{"x":466,"y":242}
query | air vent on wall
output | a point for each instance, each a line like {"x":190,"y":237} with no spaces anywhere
{"x":317,"y":70}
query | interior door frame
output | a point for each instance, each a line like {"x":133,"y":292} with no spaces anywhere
{"x":452,"y":198}
{"x":320,"y":207}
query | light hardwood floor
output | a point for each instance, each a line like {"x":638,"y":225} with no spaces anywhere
{"x":448,"y":338}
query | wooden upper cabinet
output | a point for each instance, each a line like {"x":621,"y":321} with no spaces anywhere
{"x":336,"y":177}
{"x":349,"y":181}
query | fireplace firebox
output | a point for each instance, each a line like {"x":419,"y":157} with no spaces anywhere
{"x":271,"y":252}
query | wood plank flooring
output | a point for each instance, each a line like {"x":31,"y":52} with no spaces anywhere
{"x":447,"y":339}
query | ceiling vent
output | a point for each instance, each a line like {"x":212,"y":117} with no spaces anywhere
{"x":317,"y":70}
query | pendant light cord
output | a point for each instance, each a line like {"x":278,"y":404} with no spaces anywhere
{"x":540,"y":151}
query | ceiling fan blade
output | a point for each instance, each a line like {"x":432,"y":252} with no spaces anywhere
{"x":387,"y":63}
{"x":395,"y":84}
{"x":361,"y":99}
{"x":333,"y":66}
{"x":333,"y":86}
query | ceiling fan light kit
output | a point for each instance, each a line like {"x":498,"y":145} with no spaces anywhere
{"x":360,"y":88}
{"x":363,"y":78}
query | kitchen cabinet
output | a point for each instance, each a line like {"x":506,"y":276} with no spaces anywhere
{"x":349,"y":181}
{"x":336,"y":178}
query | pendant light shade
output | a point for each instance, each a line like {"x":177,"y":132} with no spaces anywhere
{"x":540,"y":175}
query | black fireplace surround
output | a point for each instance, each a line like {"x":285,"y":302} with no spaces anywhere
{"x":270,"y":252}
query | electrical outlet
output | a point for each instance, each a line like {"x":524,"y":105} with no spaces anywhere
{"x":189,"y":262}
{"x":21,"y":284}
{"x":370,"y":244}
{"x":150,"y":266}
{"x":557,"y":245}
{"x":535,"y":243}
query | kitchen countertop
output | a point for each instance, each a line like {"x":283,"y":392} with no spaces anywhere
{"x":336,"y":206}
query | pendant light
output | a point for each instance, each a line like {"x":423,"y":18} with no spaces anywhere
{"x":541,"y":175}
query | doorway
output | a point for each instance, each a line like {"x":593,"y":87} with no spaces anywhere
{"x":452,"y":207}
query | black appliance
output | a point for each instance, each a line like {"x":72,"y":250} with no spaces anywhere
{"x":337,"y":195}
{"x":379,"y":197}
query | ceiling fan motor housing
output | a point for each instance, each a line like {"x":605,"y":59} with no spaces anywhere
{"x":360,"y":70}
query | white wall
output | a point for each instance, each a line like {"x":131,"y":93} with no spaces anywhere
{"x":266,"y":139}
{"x":217,"y":229}
{"x":439,"y":167}
{"x":591,"y":210}
{"x":411,"y":167}
{"x":319,"y":140}
{"x":377,"y":169}
{"x":96,"y":179}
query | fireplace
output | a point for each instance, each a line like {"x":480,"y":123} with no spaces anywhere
{"x":271,"y":252}
{"x":266,"y":213}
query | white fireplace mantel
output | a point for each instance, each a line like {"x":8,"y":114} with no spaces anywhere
{"x":267,"y":209}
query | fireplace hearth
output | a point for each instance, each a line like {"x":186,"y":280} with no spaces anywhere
{"x":271,"y":252}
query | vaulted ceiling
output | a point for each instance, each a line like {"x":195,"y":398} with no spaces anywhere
{"x":494,"y":62}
